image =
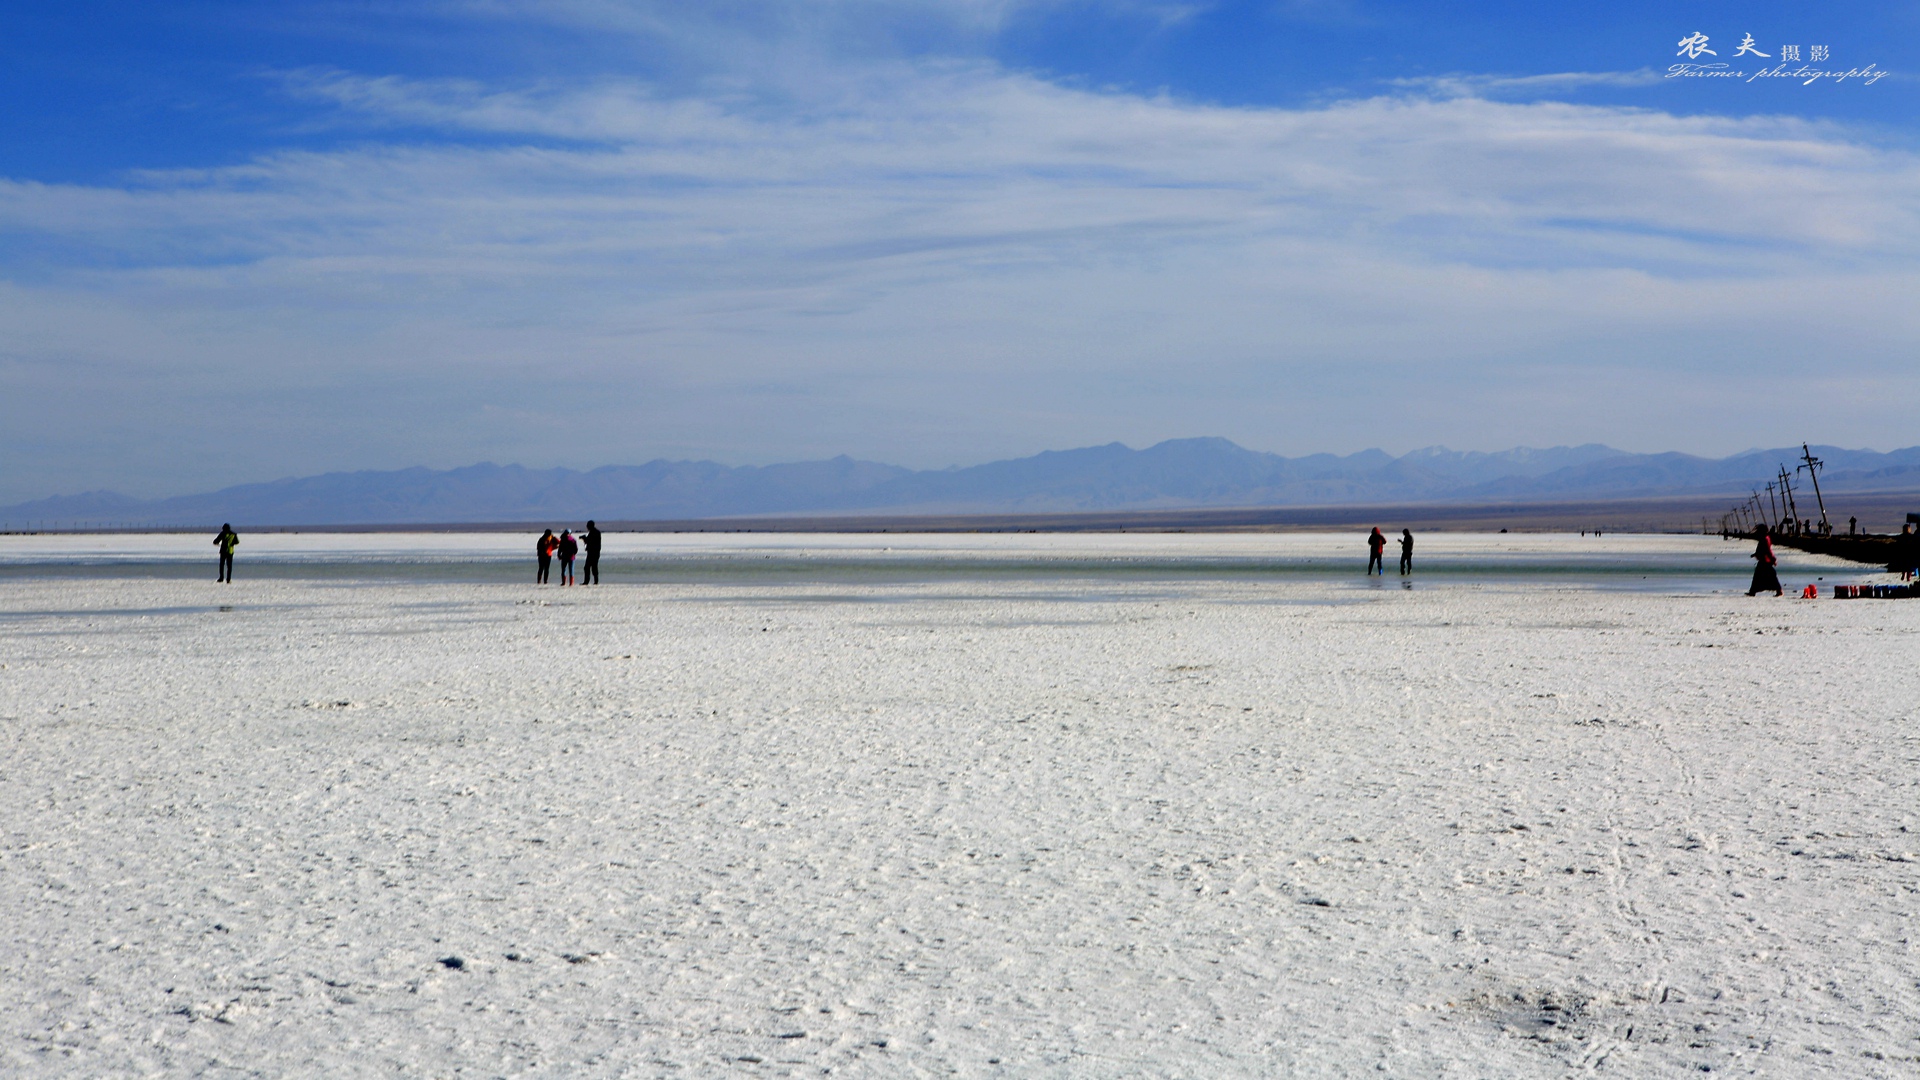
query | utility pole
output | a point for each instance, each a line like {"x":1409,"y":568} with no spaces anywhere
{"x":1813,"y":469}
{"x":1786,"y":486}
{"x":1774,"y":503}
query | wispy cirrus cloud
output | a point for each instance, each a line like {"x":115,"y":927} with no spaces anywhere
{"x":974,"y":149}
{"x":1504,"y":86}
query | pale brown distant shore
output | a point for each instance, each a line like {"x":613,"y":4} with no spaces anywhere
{"x":1877,"y":511}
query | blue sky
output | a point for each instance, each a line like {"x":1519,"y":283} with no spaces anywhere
{"x":240,"y":241}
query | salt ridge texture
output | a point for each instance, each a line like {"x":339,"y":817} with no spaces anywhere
{"x":975,"y":828}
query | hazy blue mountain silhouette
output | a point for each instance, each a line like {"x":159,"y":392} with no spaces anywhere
{"x":1642,"y":475}
{"x":1177,"y":473}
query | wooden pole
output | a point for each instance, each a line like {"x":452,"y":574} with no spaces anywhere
{"x":1788,"y":489}
{"x":1813,"y":470}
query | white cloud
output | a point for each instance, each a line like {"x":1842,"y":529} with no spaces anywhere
{"x":1469,"y":84}
{"x":928,"y":262}
{"x":964,"y":158}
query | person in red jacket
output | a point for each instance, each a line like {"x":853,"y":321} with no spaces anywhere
{"x":543,"y":548}
{"x":1765,"y":577}
{"x":1375,"y":545}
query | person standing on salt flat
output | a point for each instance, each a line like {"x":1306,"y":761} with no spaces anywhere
{"x":1406,"y":552}
{"x":1764,"y":575}
{"x":543,"y":548}
{"x":1375,"y":545}
{"x":226,"y":542}
{"x":590,"y":570}
{"x":569,"y":547}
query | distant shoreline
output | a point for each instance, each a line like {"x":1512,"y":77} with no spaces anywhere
{"x":1878,"y":511}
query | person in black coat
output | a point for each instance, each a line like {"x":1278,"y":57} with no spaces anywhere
{"x":544,"y":549}
{"x":590,"y":570}
{"x":569,"y":547}
{"x":226,"y":542}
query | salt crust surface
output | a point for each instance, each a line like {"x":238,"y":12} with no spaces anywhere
{"x":1055,"y":828}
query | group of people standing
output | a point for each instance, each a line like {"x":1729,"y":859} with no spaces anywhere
{"x":1377,"y":544}
{"x":567,"y":547}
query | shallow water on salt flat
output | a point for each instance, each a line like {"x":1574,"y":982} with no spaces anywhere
{"x":1663,"y":562}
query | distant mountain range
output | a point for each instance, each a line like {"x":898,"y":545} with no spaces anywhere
{"x":1174,"y":474}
